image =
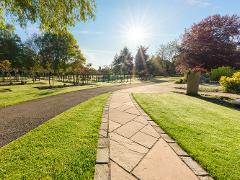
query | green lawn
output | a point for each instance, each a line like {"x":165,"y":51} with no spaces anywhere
{"x":62,"y":148}
{"x":21,"y":93}
{"x":210,"y":133}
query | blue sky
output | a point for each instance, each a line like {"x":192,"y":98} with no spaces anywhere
{"x":130,"y":23}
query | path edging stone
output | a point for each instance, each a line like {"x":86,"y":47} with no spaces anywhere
{"x":193,"y":165}
{"x":102,"y":166}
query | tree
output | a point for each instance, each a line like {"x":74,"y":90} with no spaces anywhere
{"x":104,"y":70}
{"x":53,"y":16}
{"x":140,"y":61}
{"x":58,"y":50}
{"x":169,"y":51}
{"x":10,"y":46}
{"x":211,"y":43}
{"x":158,"y":66}
{"x":5,"y":67}
{"x":123,"y":63}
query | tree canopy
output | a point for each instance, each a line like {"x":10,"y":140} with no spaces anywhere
{"x":47,"y":52}
{"x":58,"y":51}
{"x":10,"y":46}
{"x":123,"y":63}
{"x":140,"y":61}
{"x":52,"y":16}
{"x":211,"y":43}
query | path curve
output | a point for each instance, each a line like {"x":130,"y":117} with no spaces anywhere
{"x":19,"y":119}
{"x":132,"y":146}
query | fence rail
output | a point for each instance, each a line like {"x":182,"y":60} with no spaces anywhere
{"x":75,"y":79}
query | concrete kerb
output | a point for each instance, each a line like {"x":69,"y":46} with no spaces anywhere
{"x":193,"y":165}
{"x":102,"y":166}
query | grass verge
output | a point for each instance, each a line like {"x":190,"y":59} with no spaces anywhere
{"x":62,"y":148}
{"x":21,"y":93}
{"x":210,"y":133}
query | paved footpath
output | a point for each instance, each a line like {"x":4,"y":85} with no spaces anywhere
{"x":138,"y":148}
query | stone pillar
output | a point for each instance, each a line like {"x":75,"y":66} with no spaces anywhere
{"x":193,"y":80}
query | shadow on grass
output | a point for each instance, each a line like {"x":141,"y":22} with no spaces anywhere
{"x":157,"y":81}
{"x":46,"y":93}
{"x":219,"y":100}
{"x":153,"y":80}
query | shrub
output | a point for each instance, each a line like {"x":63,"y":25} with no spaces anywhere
{"x":217,"y":73}
{"x":180,"y":81}
{"x":231,"y":84}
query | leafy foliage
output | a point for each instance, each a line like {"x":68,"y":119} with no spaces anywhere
{"x":5,"y":66}
{"x":157,"y":66}
{"x":140,"y":61}
{"x":169,"y":51}
{"x":211,"y":43}
{"x":41,"y":53}
{"x":10,"y":46}
{"x":231,"y":84}
{"x":53,"y":16}
{"x":216,"y":74}
{"x":57,"y":51}
{"x":123,"y":63}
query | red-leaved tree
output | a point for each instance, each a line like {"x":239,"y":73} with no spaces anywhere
{"x":211,"y":43}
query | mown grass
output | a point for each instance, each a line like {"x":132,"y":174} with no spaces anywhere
{"x":210,"y":133}
{"x":21,"y":93}
{"x":62,"y":148}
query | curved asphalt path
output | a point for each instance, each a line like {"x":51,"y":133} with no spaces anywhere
{"x":19,"y":119}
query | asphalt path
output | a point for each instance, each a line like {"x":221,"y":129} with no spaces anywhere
{"x":19,"y":119}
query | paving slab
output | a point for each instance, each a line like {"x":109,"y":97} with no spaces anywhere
{"x":150,"y":131}
{"x":102,"y":142}
{"x":128,"y":144}
{"x":141,"y":119}
{"x":125,"y":157}
{"x":129,"y":129}
{"x":120,"y":117}
{"x":113,"y":125}
{"x":118,"y":173}
{"x":162,"y":163}
{"x":101,"y":172}
{"x":144,"y":139}
{"x":133,"y":110}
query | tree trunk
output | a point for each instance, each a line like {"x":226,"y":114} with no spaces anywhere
{"x":193,"y":80}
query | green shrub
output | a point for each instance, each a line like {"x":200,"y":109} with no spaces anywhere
{"x":231,"y":84}
{"x":179,"y":81}
{"x":217,"y":73}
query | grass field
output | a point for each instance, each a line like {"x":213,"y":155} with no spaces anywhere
{"x":21,"y":93}
{"x":62,"y":148}
{"x":210,"y":133}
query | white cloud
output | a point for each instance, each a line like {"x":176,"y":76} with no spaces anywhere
{"x":202,"y":3}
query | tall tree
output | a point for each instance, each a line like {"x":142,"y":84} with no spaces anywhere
{"x":123,"y":63}
{"x":10,"y":46}
{"x":53,"y":16}
{"x":157,"y":66}
{"x":168,"y":51}
{"x":58,"y":50}
{"x":211,"y":43}
{"x":140,"y":61}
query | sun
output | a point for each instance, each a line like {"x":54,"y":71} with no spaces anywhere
{"x":135,"y":34}
{"x":136,"y":30}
